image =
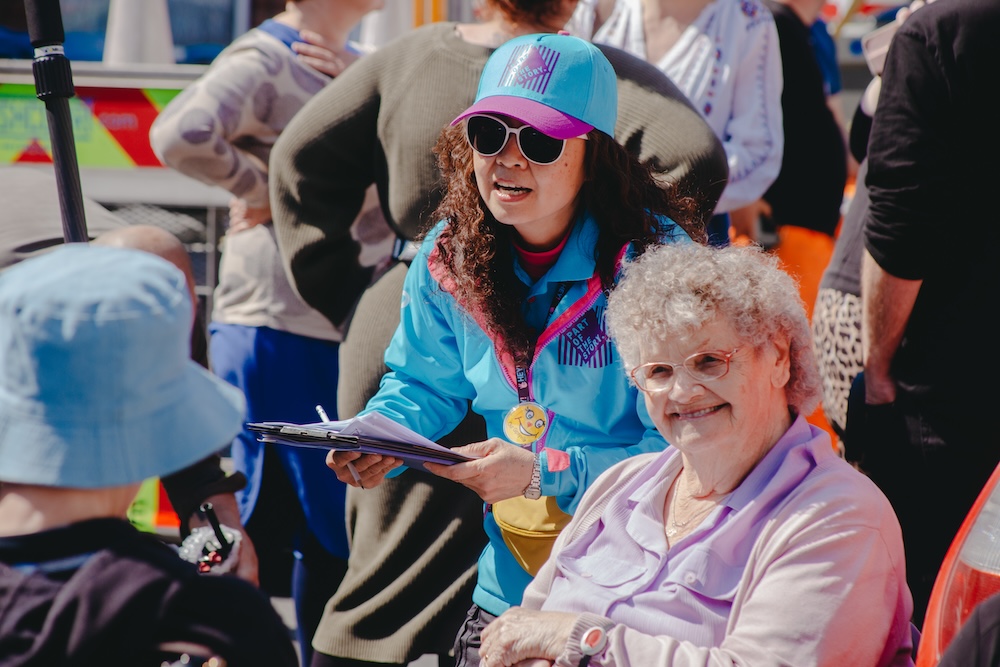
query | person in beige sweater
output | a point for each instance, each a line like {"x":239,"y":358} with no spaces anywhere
{"x":264,"y":339}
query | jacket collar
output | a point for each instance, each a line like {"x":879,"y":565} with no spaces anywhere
{"x":576,"y":262}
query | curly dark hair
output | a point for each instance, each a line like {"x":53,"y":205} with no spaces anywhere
{"x":531,"y":12}
{"x":622,"y":194}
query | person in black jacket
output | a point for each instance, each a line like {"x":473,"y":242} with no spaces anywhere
{"x":33,"y":228}
{"x":977,"y":643}
{"x":97,"y":393}
{"x":928,"y":275}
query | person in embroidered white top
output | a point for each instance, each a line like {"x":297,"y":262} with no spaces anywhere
{"x":724,"y":55}
{"x":749,"y":541}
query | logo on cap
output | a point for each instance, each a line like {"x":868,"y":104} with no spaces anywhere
{"x":530,"y":67}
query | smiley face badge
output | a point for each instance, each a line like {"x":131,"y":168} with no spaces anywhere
{"x":525,"y":423}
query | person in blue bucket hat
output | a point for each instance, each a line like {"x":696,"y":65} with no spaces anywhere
{"x":98,"y":393}
{"x":504,"y":305}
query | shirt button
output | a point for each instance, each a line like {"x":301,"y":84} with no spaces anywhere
{"x":690,"y":578}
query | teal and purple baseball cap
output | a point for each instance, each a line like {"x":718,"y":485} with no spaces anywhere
{"x":559,"y":84}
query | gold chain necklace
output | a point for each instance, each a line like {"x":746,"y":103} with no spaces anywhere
{"x":675,"y":525}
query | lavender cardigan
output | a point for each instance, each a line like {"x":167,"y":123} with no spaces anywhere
{"x":801,"y":564}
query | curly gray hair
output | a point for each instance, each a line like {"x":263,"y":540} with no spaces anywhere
{"x":674,"y":290}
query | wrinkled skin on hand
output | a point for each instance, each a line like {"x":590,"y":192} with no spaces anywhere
{"x":525,"y":637}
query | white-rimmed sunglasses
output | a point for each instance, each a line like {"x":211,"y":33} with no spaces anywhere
{"x":488,"y":135}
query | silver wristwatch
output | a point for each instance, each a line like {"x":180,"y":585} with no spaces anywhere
{"x":534,"y":488}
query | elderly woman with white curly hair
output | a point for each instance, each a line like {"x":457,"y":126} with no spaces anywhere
{"x":748,"y":542}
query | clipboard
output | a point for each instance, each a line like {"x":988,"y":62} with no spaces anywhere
{"x":316,"y":436}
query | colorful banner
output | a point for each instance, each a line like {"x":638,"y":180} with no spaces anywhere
{"x":110,"y":125}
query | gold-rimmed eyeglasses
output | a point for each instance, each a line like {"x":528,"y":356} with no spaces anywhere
{"x":657,"y":376}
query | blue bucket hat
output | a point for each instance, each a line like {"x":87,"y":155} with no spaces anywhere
{"x":560,"y":85}
{"x":97,"y":388}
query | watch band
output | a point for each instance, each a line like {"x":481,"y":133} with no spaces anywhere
{"x":534,"y":489}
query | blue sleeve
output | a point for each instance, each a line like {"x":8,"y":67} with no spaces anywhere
{"x":426,"y":388}
{"x":587,"y":463}
{"x":826,"y":56}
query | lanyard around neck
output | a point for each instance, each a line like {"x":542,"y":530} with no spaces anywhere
{"x":521,"y":372}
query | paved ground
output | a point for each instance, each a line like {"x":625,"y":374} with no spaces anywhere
{"x":287,"y":612}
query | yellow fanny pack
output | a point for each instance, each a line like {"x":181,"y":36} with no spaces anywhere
{"x":530,"y":528}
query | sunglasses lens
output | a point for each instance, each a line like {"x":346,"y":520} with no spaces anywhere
{"x":486,"y":135}
{"x":538,"y":147}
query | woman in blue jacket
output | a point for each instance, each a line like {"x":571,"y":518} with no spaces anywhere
{"x":504,"y":303}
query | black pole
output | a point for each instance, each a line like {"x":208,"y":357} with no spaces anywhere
{"x":54,"y":86}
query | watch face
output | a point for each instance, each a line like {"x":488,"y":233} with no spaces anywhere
{"x":592,"y":641}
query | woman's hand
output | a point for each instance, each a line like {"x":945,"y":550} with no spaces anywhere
{"x":502,"y":471}
{"x":520,"y":635}
{"x":243,"y":217}
{"x":319,"y":55}
{"x":880,"y":389}
{"x":360,"y":470}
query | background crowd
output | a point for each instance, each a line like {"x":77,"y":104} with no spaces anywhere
{"x":487,"y":223}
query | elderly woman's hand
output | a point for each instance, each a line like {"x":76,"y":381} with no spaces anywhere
{"x":360,"y":470}
{"x":502,"y":470}
{"x":520,"y":635}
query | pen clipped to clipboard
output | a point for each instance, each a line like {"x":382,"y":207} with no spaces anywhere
{"x":325,"y":418}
